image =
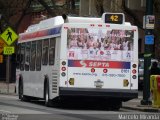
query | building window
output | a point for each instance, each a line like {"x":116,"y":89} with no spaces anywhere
{"x":45,"y":52}
{"x":33,"y":56}
{"x":39,"y":55}
{"x":52,"y":51}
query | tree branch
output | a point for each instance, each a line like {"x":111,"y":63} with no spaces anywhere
{"x":49,"y":10}
{"x":23,"y":14}
{"x":131,"y":14}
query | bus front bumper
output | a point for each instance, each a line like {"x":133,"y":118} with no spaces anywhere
{"x":124,"y":95}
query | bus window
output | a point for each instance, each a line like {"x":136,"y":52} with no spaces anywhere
{"x":39,"y":55}
{"x":22,"y":56}
{"x":18,"y":59}
{"x":52,"y":51}
{"x":33,"y":56}
{"x":27,"y":56}
{"x":45,"y":52}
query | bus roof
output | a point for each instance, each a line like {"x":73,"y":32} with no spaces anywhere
{"x":44,"y":24}
{"x":52,"y":26}
{"x":58,"y":20}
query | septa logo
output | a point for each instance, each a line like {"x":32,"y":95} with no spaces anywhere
{"x":83,"y":63}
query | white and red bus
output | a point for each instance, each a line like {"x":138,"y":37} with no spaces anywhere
{"x":79,"y":57}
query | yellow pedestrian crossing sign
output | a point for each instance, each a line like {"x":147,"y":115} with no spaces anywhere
{"x":9,"y":36}
{"x":8,"y":50}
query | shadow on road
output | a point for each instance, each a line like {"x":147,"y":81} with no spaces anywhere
{"x":78,"y":105}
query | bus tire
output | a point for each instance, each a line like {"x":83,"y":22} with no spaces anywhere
{"x":20,"y":90}
{"x":22,"y":97}
{"x":46,"y":95}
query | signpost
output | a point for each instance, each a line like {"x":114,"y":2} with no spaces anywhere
{"x":149,"y":41}
{"x":8,"y":37}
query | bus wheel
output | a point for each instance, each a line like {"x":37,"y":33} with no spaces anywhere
{"x":20,"y":91}
{"x":21,"y":96}
{"x":46,"y":96}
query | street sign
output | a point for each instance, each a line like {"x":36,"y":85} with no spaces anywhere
{"x":149,"y":22}
{"x":2,"y":45}
{"x":1,"y":58}
{"x":149,"y":39}
{"x":8,"y":50}
{"x":9,"y":36}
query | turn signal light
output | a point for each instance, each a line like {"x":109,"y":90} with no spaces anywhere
{"x":134,"y":65}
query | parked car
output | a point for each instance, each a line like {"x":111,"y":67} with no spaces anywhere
{"x":141,"y":71}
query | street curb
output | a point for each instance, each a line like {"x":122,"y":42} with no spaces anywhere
{"x":7,"y":89}
{"x":143,"y":109}
{"x":13,"y":94}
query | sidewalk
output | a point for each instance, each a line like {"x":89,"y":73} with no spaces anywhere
{"x":132,"y":104}
{"x":7,"y":88}
{"x":135,"y":104}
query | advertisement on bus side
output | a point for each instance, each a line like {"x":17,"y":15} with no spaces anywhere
{"x":100,"y":44}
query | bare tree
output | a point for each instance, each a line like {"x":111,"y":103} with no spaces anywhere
{"x":117,"y":6}
{"x":47,"y":7}
{"x":99,"y":7}
{"x":24,"y":12}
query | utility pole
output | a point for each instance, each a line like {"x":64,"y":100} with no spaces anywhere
{"x":8,"y":72}
{"x":149,"y":41}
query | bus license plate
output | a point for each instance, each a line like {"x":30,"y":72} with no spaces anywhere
{"x":98,"y":83}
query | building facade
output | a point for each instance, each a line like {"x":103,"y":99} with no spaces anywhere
{"x":136,"y":7}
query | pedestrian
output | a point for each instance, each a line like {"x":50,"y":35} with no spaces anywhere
{"x":154,"y":69}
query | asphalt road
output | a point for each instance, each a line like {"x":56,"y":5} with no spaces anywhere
{"x":14,"y":109}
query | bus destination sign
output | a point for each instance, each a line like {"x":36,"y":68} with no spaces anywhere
{"x":115,"y":18}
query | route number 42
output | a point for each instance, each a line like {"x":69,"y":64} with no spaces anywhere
{"x":114,"y":17}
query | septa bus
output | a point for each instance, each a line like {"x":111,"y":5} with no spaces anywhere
{"x":82,"y":57}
